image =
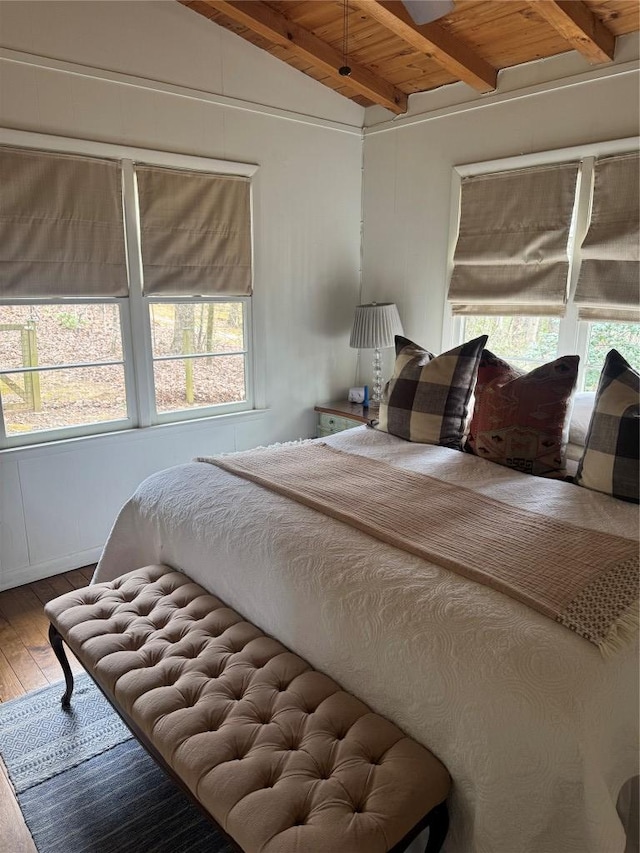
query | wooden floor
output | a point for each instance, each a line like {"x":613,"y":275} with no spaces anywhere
{"x":26,"y":658}
{"x":26,"y":663}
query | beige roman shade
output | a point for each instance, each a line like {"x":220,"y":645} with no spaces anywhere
{"x":61,"y":230}
{"x":609,"y":282}
{"x":511,"y":255}
{"x":195,"y":232}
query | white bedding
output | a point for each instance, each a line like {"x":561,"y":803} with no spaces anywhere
{"x":538,"y":731}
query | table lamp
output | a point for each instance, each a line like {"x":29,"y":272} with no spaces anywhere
{"x":374,"y":327}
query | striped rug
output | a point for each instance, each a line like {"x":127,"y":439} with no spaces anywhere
{"x":84,"y":786}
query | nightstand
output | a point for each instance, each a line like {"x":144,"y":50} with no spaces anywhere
{"x":334,"y":417}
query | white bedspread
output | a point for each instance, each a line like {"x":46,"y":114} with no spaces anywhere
{"x":538,"y":731}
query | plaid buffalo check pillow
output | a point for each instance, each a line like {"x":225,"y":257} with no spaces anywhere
{"x":609,"y":463}
{"x":427,"y":398}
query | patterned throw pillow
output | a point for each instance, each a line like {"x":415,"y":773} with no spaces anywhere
{"x":520,"y":419}
{"x":610,"y":460}
{"x":427,"y":398}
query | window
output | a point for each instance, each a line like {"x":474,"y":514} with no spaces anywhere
{"x":625,"y":337}
{"x":62,"y":366}
{"x":199,"y":354}
{"x":529,"y":342}
{"x":526,"y":342}
{"x":125,"y":293}
{"x":545,"y":264}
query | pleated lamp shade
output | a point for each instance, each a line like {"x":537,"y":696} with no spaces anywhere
{"x":375,"y":326}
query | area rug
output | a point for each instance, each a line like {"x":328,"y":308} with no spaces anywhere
{"x":85,"y":786}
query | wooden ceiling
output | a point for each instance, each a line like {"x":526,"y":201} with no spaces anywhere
{"x":391,"y":57}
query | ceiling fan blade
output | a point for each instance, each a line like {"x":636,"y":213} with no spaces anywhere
{"x":425,"y":11}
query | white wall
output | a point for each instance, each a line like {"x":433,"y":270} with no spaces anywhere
{"x":156,"y":75}
{"x":408,"y":166}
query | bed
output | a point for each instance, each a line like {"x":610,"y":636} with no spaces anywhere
{"x":538,"y":729}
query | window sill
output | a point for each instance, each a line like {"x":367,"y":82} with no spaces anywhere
{"x":104,"y":439}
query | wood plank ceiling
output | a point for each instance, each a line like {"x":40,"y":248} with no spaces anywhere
{"x":391,"y":57}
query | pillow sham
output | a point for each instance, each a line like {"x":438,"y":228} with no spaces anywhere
{"x":520,"y":419}
{"x":581,"y":416}
{"x":609,"y":463}
{"x":427,"y":398}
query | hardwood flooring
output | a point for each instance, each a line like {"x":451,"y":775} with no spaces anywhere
{"x":26,"y":658}
{"x":26,"y":663}
{"x":14,"y":835}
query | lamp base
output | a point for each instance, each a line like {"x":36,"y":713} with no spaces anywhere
{"x":376,"y":390}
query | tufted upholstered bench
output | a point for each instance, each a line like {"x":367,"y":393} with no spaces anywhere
{"x":280,"y":757}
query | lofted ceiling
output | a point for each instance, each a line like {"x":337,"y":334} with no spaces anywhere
{"x":391,"y":57}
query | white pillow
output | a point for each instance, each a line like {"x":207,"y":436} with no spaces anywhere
{"x":574,"y":451}
{"x":581,"y":416}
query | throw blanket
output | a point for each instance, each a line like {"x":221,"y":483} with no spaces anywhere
{"x":584,"y":579}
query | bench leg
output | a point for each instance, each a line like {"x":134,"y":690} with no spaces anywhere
{"x":438,"y":828}
{"x":55,"y":638}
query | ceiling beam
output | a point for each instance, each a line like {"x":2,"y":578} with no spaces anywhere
{"x":433,"y":41}
{"x":577,"y":24}
{"x":269,"y":24}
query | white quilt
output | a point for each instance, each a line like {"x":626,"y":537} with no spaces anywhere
{"x":538,"y":730}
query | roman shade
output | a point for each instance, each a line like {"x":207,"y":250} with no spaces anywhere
{"x":195,"y":233}
{"x":511,"y":255}
{"x":61,"y":228}
{"x":609,"y":280}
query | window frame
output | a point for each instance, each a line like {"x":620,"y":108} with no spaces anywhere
{"x":94,"y":428}
{"x":135,"y":319}
{"x":573,"y":334}
{"x":221,"y":408}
